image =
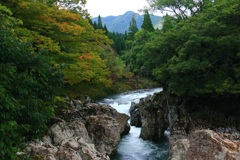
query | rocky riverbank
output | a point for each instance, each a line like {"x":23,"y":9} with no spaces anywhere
{"x":85,"y":131}
{"x":200,"y":128}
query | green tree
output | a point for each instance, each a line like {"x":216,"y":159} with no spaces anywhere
{"x":200,"y":56}
{"x":105,"y":29}
{"x":182,"y":9}
{"x":147,"y":23}
{"x":134,"y":56}
{"x":99,"y":23}
{"x":28,"y":85}
{"x":169,"y":23}
{"x":132,"y":28}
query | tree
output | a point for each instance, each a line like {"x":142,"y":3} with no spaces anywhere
{"x":132,"y":28}
{"x":199,"y":56}
{"x":169,"y":23}
{"x":105,"y":29}
{"x":135,"y":55}
{"x":75,"y":6}
{"x":99,"y":23}
{"x":28,"y":85}
{"x":88,"y":68}
{"x":182,"y":9}
{"x":147,"y":23}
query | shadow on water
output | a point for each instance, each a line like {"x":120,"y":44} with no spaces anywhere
{"x":151,"y":151}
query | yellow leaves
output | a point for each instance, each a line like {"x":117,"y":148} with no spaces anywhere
{"x":69,"y":15}
{"x":53,"y":18}
{"x":88,"y":68}
{"x":45,"y":43}
{"x":46,"y":18}
{"x":70,"y":28}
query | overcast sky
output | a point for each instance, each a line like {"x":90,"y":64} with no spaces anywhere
{"x":113,"y":7}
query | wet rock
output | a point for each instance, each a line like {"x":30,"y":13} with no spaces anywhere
{"x":152,"y":118}
{"x":135,"y":117}
{"x":122,"y":120}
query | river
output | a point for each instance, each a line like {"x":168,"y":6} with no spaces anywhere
{"x":131,"y":147}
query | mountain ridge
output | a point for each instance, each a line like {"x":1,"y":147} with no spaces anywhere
{"x":121,"y":23}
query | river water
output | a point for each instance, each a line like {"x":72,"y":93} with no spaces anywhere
{"x":131,"y":147}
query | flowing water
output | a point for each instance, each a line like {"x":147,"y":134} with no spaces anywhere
{"x":131,"y":147}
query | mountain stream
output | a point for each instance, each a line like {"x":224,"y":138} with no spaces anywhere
{"x":131,"y":146}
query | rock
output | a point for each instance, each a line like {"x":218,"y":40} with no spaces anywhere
{"x":178,"y":148}
{"x":152,"y":119}
{"x":122,"y":120}
{"x":104,"y":132}
{"x":188,"y":119}
{"x":203,"y":144}
{"x":135,"y":117}
{"x":151,"y":129}
{"x":99,"y":109}
{"x":85,"y":131}
{"x":91,"y":109}
{"x":68,"y":154}
{"x":63,"y":130}
{"x":66,"y":141}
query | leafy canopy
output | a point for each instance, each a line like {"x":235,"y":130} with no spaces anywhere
{"x":28,"y":84}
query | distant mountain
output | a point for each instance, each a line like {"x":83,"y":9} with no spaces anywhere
{"x":121,"y":23}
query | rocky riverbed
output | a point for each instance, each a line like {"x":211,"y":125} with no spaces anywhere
{"x":198,"y":128}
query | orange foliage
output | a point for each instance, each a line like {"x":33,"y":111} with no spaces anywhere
{"x":86,"y":56}
{"x":46,"y":18}
{"x":70,"y":28}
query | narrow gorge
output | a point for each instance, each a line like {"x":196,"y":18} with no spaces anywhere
{"x":200,"y":128}
{"x":163,"y":126}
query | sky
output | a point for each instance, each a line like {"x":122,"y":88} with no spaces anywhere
{"x":113,"y":7}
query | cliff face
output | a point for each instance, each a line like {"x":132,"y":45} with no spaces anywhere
{"x":189,"y":121}
{"x":89,"y":131}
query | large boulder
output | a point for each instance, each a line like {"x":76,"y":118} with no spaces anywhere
{"x":152,"y":118}
{"x":135,"y":117}
{"x":66,"y":141}
{"x":90,"y":109}
{"x":104,"y":132}
{"x":122,"y":120}
{"x":203,"y":144}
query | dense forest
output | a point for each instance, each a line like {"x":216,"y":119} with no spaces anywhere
{"x":196,"y":52}
{"x":50,"y":49}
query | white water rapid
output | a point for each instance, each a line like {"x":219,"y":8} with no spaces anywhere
{"x":131,"y":147}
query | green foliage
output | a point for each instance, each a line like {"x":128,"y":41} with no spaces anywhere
{"x":181,"y":9}
{"x":99,"y":24}
{"x":134,"y":57}
{"x":89,"y":68}
{"x":28,"y":83}
{"x":200,"y":55}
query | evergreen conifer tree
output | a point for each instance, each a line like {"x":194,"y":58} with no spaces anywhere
{"x":147,"y":23}
{"x":105,"y":29}
{"x":132,"y":28}
{"x":99,"y":24}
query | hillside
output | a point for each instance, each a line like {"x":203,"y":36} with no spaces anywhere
{"x":120,"y":23}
